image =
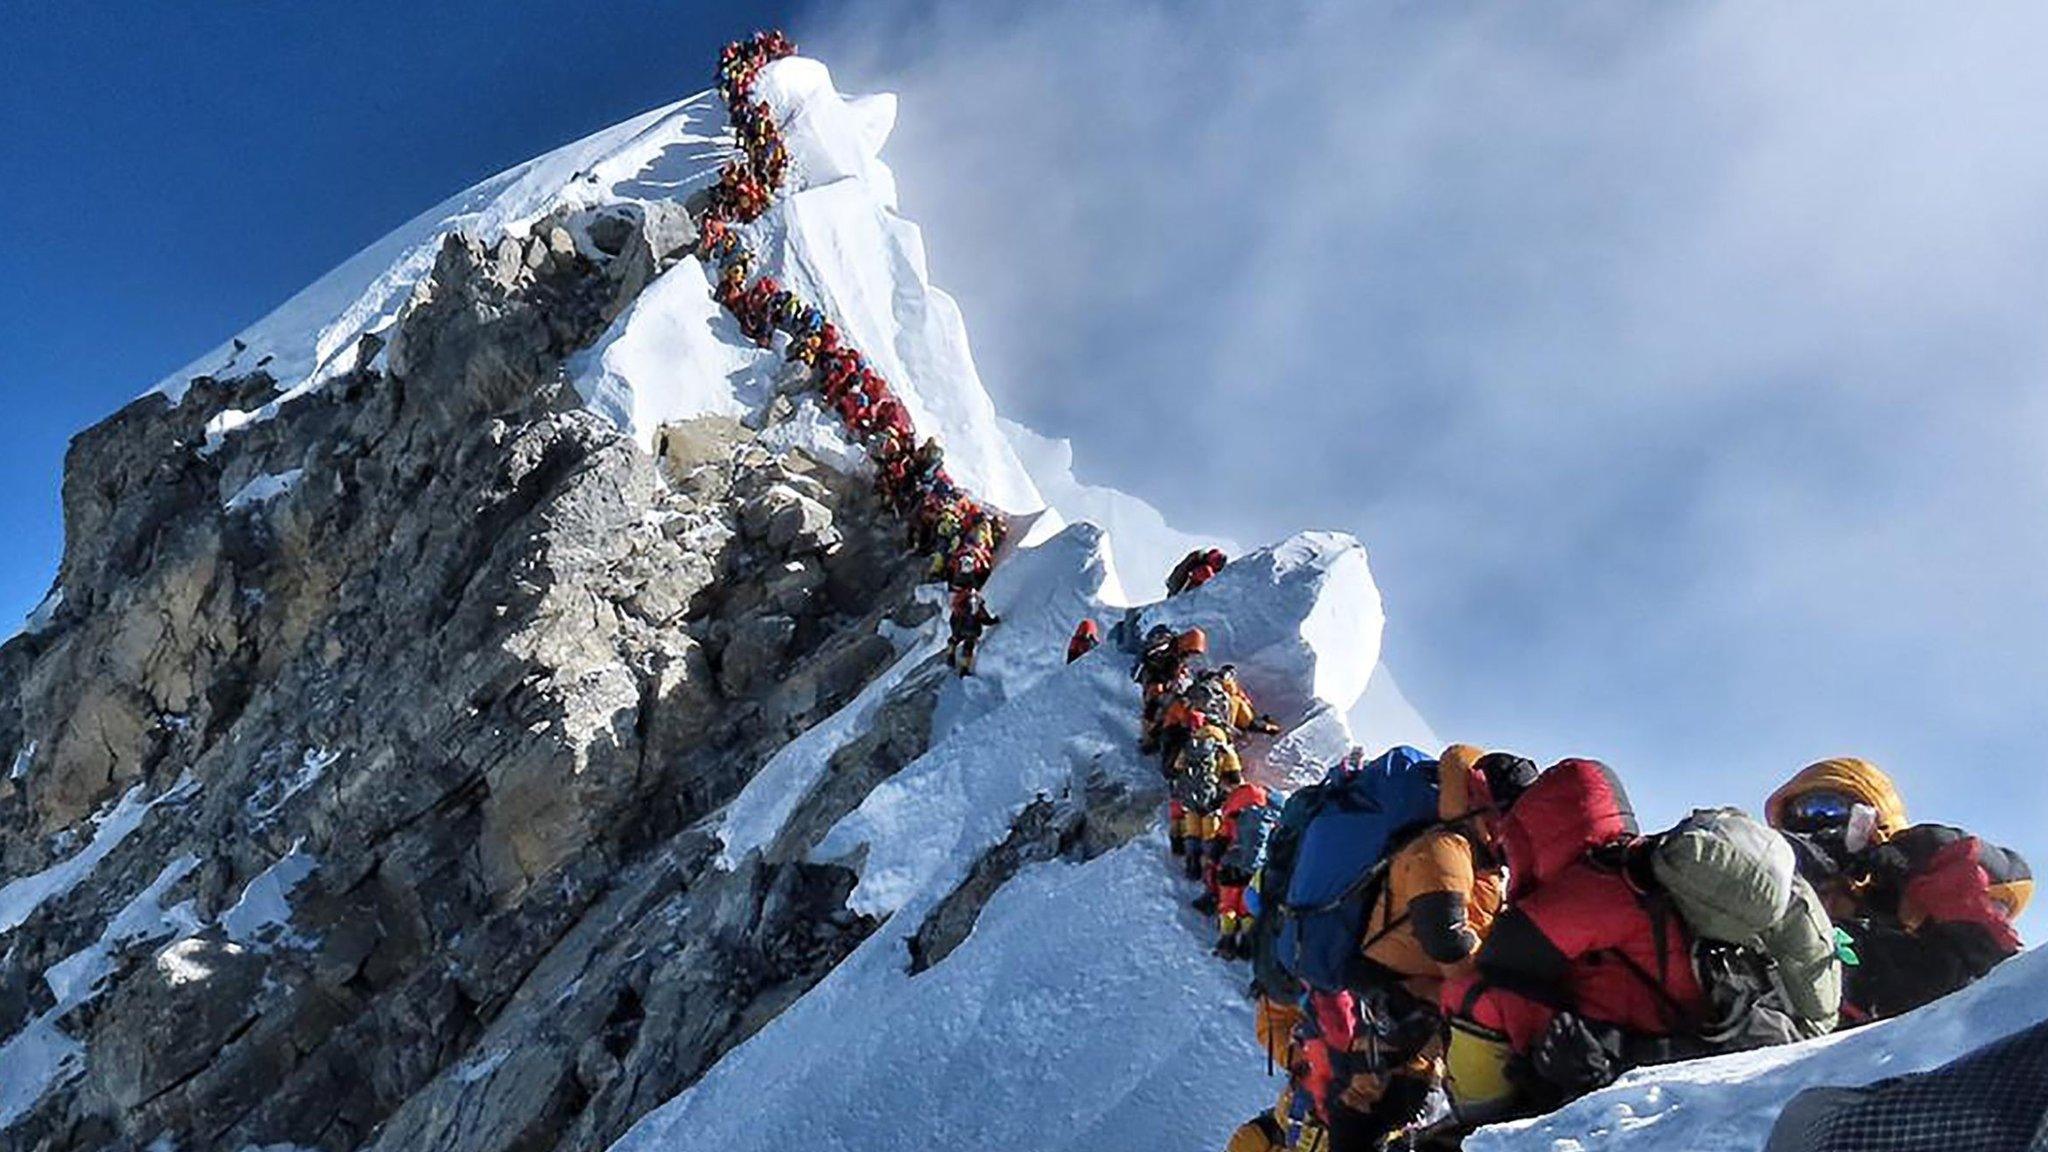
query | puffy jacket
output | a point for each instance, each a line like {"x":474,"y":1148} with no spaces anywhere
{"x":1578,"y":934}
{"x":1857,"y":779}
{"x":1223,"y":765}
{"x":1087,"y":634}
{"x":1443,"y":888}
{"x":1936,"y":912}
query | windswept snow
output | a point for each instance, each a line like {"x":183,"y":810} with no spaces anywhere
{"x":1081,"y":1015}
{"x":76,"y":978}
{"x":757,"y":816}
{"x":20,"y":898}
{"x":836,"y":241}
{"x":673,"y":355}
{"x":1303,"y":617}
{"x":262,"y":915}
{"x":40,"y":617}
{"x":42,"y":1055}
{"x":262,"y":489}
{"x":1145,"y":546}
{"x":1729,"y":1103}
{"x":1084,"y":1011}
{"x":664,"y":154}
{"x":23,"y":761}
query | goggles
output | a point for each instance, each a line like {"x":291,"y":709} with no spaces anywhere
{"x":1816,"y":811}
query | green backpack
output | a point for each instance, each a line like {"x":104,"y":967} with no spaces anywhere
{"x":1766,"y":948}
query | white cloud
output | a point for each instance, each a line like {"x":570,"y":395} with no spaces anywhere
{"x":1682,"y":366}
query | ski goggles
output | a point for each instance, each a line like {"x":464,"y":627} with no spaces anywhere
{"x":1814,"y":811}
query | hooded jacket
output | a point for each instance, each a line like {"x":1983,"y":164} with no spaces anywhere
{"x":1443,"y":889}
{"x":1577,"y":935}
{"x":1937,"y":912}
{"x":1857,"y":779}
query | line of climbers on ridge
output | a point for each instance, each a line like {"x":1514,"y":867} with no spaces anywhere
{"x":958,"y":534}
{"x":1442,"y":942}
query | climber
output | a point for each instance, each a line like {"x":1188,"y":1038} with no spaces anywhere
{"x":970,"y":618}
{"x":1291,"y":1124}
{"x":1927,"y":908}
{"x":890,"y":418}
{"x":1164,"y":659}
{"x":1194,"y":570}
{"x":1247,"y":819}
{"x":1579,"y":969}
{"x":970,"y":564}
{"x":891,"y":454}
{"x":1201,"y":774}
{"x":1380,"y":1041}
{"x":1087,"y":634}
{"x":928,"y":466}
{"x":1221,"y":695}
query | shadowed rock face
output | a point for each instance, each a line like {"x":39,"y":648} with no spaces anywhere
{"x":484,"y":663}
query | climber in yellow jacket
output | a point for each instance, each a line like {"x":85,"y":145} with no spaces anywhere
{"x":1290,"y":1124}
{"x":1202,"y":772}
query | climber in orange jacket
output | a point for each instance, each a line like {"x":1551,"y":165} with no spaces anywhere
{"x":1378,"y":1051}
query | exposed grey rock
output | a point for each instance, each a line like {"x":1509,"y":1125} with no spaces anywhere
{"x":611,"y":230}
{"x":757,"y":647}
{"x":488,"y":664}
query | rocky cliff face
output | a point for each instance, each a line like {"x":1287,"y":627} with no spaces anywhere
{"x":391,"y":714}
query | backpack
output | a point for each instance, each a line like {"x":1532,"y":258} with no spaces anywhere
{"x":1255,"y":828}
{"x":1196,"y":785}
{"x":1269,"y":976}
{"x":1208,"y":696}
{"x":1365,"y":812}
{"x":1765,"y":948}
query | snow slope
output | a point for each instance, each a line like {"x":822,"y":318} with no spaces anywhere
{"x":835,"y":240}
{"x":1728,"y":1104}
{"x":1146,"y":547}
{"x":1084,"y":1011}
{"x":659,"y":155}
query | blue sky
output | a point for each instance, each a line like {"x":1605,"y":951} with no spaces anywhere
{"x":1682,"y":366}
{"x":174,"y":171}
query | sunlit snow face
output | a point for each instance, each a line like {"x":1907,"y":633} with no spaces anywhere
{"x":1680,"y":368}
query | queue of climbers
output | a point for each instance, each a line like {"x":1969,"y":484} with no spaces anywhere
{"x":958,"y":534}
{"x":1440,"y":942}
{"x":1449,"y":941}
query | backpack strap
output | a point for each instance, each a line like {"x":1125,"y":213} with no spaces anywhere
{"x":1675,"y":1015}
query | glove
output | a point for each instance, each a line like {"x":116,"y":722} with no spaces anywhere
{"x":1576,"y":1056}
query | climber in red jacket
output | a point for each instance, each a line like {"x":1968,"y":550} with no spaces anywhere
{"x":1087,"y":634}
{"x":1194,"y":570}
{"x":1580,"y":967}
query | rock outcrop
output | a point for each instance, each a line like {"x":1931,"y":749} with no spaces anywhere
{"x":479,"y":661}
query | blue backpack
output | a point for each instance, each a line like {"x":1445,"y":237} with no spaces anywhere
{"x":1364,"y":811}
{"x":1255,"y":828}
